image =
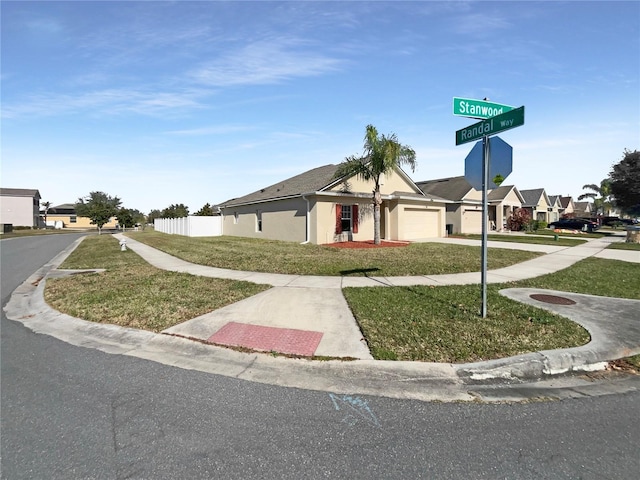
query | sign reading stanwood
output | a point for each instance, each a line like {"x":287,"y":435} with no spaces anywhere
{"x":490,"y":126}
{"x":467,"y":107}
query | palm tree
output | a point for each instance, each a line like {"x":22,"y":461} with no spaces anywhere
{"x":46,"y":206}
{"x":381,"y":155}
{"x":600,"y":194}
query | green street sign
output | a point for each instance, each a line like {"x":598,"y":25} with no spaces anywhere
{"x":467,"y":107}
{"x":491,"y":126}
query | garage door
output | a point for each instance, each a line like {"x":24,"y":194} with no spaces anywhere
{"x":420,"y":223}
{"x":472,"y":221}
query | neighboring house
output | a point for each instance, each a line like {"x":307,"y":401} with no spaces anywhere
{"x":556,"y":208}
{"x":464,"y":212}
{"x":567,"y":207}
{"x":503,"y":201}
{"x":314,"y":207}
{"x":583,"y":209}
{"x":65,"y":215}
{"x":20,"y":207}
{"x":537,"y":203}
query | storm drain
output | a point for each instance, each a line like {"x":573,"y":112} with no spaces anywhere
{"x":553,"y":299}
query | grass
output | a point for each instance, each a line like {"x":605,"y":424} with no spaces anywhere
{"x":442,"y":324}
{"x":561,"y":242}
{"x":550,"y":232}
{"x":287,"y":257}
{"x":437,"y":324}
{"x":625,"y":246}
{"x":28,"y":232}
{"x":131,"y":293}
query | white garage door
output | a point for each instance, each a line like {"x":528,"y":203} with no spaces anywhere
{"x":472,"y":221}
{"x":420,"y":223}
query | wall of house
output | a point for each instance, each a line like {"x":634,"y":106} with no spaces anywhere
{"x":80,"y":222}
{"x":388,"y":185}
{"x":19,"y":211}
{"x":281,"y":220}
{"x":505,"y":208}
{"x":323,"y":221}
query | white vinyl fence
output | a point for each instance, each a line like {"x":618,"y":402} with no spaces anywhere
{"x":193,"y":226}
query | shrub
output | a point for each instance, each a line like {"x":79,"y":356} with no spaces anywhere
{"x":518,"y":220}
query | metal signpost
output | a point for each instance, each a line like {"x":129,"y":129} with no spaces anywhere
{"x":496,"y":118}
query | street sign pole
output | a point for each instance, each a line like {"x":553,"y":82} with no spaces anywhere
{"x":486,"y":159}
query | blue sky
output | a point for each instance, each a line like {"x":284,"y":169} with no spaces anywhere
{"x":194,"y":102}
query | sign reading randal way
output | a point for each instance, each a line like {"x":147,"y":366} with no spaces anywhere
{"x":499,"y":123}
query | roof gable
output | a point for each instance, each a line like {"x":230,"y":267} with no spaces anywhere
{"x":533,"y":197}
{"x":500,"y":193}
{"x":452,"y":188}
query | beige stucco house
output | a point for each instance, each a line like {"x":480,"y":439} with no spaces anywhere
{"x":65,"y":215}
{"x":464,"y":212}
{"x":537,"y":203}
{"x":567,"y":207}
{"x":315,"y":207}
{"x":20,"y":207}
{"x":503,"y":201}
{"x":583,"y":209}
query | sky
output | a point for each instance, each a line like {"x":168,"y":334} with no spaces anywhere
{"x":161,"y":103}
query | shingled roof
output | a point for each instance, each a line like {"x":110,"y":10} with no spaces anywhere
{"x":452,"y":188}
{"x":501,"y":192}
{"x":19,"y":192}
{"x":531,"y":197}
{"x":310,"y":181}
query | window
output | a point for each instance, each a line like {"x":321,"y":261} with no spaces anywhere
{"x":258,"y":221}
{"x":346,"y":218}
{"x":72,"y":219}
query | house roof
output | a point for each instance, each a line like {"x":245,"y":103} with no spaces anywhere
{"x":314,"y":180}
{"x":452,"y":188}
{"x":554,"y":198}
{"x":19,"y":192}
{"x":63,"y":209}
{"x":310,"y":181}
{"x":501,"y":192}
{"x":532,"y":197}
{"x":582,"y":206}
{"x":565,"y":201}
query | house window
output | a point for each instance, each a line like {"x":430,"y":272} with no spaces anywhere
{"x":258,"y":221}
{"x":235,"y":218}
{"x":72,"y":219}
{"x":346,"y":218}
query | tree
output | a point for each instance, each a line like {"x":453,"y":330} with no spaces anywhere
{"x":175,"y":211}
{"x":625,"y":182}
{"x":153,"y":214}
{"x":381,"y":155}
{"x":46,"y":206}
{"x":600,"y":194}
{"x":98,"y":207}
{"x":205,"y":211}
{"x":125,"y":218}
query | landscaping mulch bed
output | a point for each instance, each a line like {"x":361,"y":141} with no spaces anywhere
{"x":367,"y":244}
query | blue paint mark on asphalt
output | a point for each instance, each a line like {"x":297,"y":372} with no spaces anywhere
{"x":355,"y":409}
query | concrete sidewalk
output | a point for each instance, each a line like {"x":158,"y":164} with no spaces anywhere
{"x":312,"y":312}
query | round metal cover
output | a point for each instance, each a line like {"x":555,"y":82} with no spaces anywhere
{"x":553,"y":299}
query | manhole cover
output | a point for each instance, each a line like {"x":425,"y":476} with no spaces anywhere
{"x":553,"y":299}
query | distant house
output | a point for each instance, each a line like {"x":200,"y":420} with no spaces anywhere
{"x":538,"y":204}
{"x":583,"y":209}
{"x":315,"y":207}
{"x":464,"y":213}
{"x":567,"y":207}
{"x":20,"y":207}
{"x":464,"y":210}
{"x":503,"y":201}
{"x":556,"y":208}
{"x":65,"y":215}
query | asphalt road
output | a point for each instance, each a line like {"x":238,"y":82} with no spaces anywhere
{"x":73,"y":413}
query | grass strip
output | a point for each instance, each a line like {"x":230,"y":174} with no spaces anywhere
{"x":131,"y":293}
{"x":561,"y":242}
{"x":291,"y":258}
{"x":634,"y":247}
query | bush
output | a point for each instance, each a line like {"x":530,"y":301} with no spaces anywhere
{"x":518,"y":220}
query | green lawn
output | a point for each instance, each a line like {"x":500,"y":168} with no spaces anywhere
{"x":287,"y":257}
{"x":132,"y":293}
{"x":625,"y":246}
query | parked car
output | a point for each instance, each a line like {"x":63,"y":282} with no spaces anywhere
{"x":575,"y":224}
{"x":613,"y":221}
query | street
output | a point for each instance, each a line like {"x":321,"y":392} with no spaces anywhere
{"x":69,"y":412}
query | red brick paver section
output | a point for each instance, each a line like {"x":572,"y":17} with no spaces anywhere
{"x":258,"y":337}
